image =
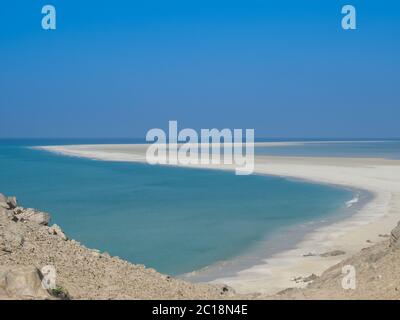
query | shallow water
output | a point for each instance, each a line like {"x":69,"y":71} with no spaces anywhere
{"x":175,"y":220}
{"x":389,"y":149}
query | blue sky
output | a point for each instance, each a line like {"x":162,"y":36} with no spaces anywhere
{"x":119,"y":68}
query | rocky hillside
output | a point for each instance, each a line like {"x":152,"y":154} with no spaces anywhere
{"x":377,"y":275}
{"x":27,"y":244}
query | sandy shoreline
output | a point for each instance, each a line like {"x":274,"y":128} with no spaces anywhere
{"x":285,"y":240}
{"x":378,"y":176}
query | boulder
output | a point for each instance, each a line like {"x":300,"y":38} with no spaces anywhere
{"x":21,"y":282}
{"x":310,"y":254}
{"x":395,"y":237}
{"x":12,"y":202}
{"x":105,"y":255}
{"x":41,"y":218}
{"x":333,"y":253}
{"x":38,"y":217}
{"x":56,"y":230}
{"x":310,"y":278}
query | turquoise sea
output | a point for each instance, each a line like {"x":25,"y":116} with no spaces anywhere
{"x":389,"y":149}
{"x":172,"y":219}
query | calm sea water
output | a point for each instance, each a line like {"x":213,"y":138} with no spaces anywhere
{"x":389,"y":149}
{"x":175,"y":220}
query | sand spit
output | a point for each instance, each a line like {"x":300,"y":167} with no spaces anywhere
{"x":380,"y":177}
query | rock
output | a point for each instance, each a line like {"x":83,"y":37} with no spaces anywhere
{"x":310,"y":278}
{"x":106,"y":255}
{"x":41,"y":218}
{"x":38,"y":217}
{"x":310,"y":254}
{"x":3,"y":198}
{"x":12,"y":202}
{"x":18,"y":210}
{"x":21,"y":282}
{"x":333,"y":253}
{"x":395,"y":237}
{"x":296,"y":279}
{"x":225,"y":289}
{"x":56,"y":230}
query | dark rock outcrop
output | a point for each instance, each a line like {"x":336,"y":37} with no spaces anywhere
{"x":395,"y":237}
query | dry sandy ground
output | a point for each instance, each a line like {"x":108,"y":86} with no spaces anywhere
{"x":366,"y":227}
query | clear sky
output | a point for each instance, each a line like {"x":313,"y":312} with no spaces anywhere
{"x":116,"y":68}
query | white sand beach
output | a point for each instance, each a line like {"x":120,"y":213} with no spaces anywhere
{"x":376,"y":218}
